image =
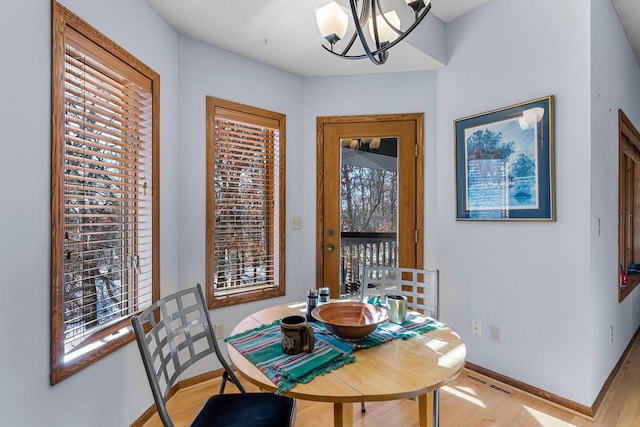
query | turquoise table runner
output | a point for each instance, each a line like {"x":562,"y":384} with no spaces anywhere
{"x":414,"y":325}
{"x":263,"y":347}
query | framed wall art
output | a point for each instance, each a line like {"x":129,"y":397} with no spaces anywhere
{"x":505,"y":163}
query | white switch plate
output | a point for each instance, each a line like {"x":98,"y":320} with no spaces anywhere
{"x":296,"y":223}
{"x":219,"y":331}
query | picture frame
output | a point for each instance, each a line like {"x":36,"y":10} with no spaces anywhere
{"x":505,"y":163}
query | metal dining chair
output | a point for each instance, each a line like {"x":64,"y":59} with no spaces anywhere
{"x":174,"y":333}
{"x":421,"y":287}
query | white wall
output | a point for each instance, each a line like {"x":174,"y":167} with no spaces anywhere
{"x":113,"y":391}
{"x":615,"y":84}
{"x":204,"y":71}
{"x":531,"y":279}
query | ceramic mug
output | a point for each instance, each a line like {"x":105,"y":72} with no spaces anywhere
{"x":397,"y":307}
{"x":297,"y":335}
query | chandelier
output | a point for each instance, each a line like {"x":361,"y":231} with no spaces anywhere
{"x":385,"y":31}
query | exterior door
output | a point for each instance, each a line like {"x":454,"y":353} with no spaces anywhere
{"x":370,"y":204}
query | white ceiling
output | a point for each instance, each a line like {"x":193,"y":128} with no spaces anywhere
{"x":629,"y":13}
{"x":283,"y":33}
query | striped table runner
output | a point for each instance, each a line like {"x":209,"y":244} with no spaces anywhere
{"x":415,"y":325}
{"x":263,"y":347}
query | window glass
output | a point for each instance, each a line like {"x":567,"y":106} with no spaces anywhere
{"x":628,"y":198}
{"x":104,"y":202}
{"x":245,"y":204}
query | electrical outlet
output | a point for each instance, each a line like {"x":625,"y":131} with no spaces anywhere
{"x":495,"y":334}
{"x":219,"y":331}
{"x":611,"y":333}
{"x":476,"y":328}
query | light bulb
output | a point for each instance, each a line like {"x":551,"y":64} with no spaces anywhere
{"x":385,"y":32}
{"x":332,"y":21}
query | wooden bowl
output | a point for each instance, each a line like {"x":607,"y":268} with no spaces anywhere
{"x":350,"y":320}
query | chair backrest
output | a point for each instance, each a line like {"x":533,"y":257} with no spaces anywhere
{"x":173,"y":334}
{"x":421,"y":287}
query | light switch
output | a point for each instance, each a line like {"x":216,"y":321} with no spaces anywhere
{"x":296,"y":223}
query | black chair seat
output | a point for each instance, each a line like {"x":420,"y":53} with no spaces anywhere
{"x":175,"y":332}
{"x":246,"y":409}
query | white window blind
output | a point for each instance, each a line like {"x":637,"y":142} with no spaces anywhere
{"x":246,"y":202}
{"x":107,"y":191}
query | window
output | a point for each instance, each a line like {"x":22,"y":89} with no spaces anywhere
{"x":104,"y":194}
{"x":245,"y":203}
{"x":628,"y":205}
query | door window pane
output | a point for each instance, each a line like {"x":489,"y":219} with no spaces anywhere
{"x":368,"y":208}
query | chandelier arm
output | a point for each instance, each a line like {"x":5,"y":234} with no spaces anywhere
{"x":374,"y":22}
{"x":404,"y":34}
{"x":343,"y":56}
{"x":396,"y":30}
{"x":381,"y":57}
{"x":365,"y":11}
{"x":349,"y":45}
{"x":345,"y":51}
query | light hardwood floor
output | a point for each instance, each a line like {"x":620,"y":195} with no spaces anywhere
{"x":470,"y":400}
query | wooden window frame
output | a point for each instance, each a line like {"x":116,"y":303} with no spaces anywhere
{"x":68,"y":28}
{"x":628,"y":205}
{"x":275,"y":218}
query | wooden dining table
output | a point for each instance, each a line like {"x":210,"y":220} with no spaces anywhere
{"x":401,"y":368}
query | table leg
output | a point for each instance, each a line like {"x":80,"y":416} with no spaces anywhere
{"x":425,"y":407}
{"x":343,"y":414}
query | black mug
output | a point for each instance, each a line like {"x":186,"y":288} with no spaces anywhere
{"x":297,"y":335}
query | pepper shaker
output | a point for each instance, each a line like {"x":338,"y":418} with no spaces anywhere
{"x":323,"y":296}
{"x":312,"y":302}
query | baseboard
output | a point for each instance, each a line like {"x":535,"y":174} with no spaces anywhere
{"x":558,"y":400}
{"x":589,"y":411}
{"x":146,"y":415}
{"x":199,"y":379}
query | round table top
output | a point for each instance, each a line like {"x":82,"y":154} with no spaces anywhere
{"x":394,"y":370}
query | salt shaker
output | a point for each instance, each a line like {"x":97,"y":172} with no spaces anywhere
{"x":323,"y":296}
{"x":312,"y":302}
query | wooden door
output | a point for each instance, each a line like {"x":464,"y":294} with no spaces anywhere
{"x":338,"y":265}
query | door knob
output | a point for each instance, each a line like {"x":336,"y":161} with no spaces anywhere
{"x":329,"y":248}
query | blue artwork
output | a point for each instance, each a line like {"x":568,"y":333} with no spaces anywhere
{"x":504,"y":163}
{"x":501,"y":169}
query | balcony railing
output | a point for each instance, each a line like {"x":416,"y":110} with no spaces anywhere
{"x":360,"y":249}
